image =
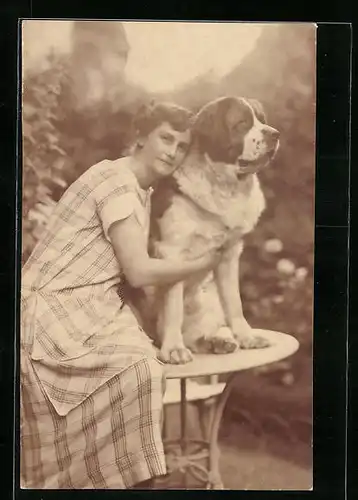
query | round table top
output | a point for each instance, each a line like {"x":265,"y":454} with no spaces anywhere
{"x":283,"y":345}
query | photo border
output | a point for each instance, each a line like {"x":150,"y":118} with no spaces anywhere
{"x":334,"y":58}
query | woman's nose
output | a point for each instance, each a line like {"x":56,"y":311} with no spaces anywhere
{"x":171,"y":152}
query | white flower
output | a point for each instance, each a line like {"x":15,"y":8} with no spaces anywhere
{"x":286,"y":266}
{"x":301,"y":273}
{"x":273,"y":245}
{"x":37,"y":216}
{"x":288,"y":379}
{"x":277,"y":299}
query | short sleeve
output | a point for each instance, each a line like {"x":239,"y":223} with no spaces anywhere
{"x":114,"y":202}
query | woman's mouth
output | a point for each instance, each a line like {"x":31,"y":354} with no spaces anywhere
{"x":167,"y":162}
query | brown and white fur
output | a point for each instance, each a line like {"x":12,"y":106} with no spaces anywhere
{"x":214,"y":198}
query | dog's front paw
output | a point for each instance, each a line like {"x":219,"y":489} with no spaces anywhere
{"x":253,"y":342}
{"x":246,"y":337}
{"x":223,"y":342}
{"x":176,"y":354}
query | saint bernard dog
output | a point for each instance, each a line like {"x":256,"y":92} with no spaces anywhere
{"x":213,"y":199}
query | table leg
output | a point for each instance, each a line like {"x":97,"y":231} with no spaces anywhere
{"x":183,"y":425}
{"x":207,"y":448}
{"x":215,"y":482}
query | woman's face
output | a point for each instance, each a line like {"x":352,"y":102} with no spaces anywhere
{"x":164,"y":149}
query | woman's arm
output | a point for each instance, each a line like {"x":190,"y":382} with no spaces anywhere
{"x":130,"y":247}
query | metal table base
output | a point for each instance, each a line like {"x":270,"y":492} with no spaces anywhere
{"x":197,"y":457}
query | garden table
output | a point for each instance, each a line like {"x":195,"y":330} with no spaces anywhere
{"x":187,"y":455}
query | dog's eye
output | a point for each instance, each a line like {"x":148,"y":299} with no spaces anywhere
{"x":240,"y":124}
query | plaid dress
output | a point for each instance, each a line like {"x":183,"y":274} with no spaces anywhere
{"x":91,"y":385}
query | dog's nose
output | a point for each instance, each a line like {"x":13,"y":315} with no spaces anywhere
{"x":271,"y":135}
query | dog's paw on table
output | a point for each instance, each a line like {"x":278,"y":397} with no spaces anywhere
{"x":223,"y":342}
{"x":175,"y":354}
{"x":253,"y":342}
{"x":246,"y":337}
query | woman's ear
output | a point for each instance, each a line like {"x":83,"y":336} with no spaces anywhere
{"x":140,"y":142}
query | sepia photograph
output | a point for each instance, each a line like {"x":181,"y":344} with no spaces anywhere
{"x":167,"y":288}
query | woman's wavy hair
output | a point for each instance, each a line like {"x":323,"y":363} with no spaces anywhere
{"x":149,"y":117}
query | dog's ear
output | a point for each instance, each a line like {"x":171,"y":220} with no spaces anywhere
{"x":211,"y":119}
{"x":258,"y":109}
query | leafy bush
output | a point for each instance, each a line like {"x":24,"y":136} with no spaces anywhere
{"x":44,"y":158}
{"x":61,"y":141}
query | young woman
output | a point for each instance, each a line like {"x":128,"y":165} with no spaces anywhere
{"x":91,"y":384}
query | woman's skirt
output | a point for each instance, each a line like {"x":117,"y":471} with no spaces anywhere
{"x":111,"y":440}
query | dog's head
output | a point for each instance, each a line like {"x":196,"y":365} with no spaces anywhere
{"x":233,"y":130}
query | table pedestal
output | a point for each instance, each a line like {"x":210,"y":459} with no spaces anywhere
{"x":198,"y":457}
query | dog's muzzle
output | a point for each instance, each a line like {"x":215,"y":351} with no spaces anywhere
{"x":253,"y":166}
{"x":270,"y":137}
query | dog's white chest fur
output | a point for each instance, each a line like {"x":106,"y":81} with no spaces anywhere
{"x":209,"y":214}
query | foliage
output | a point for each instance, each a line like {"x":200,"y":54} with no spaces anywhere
{"x":43,"y":157}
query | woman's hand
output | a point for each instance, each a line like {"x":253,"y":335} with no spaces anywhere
{"x":210,"y":260}
{"x":140,"y":270}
